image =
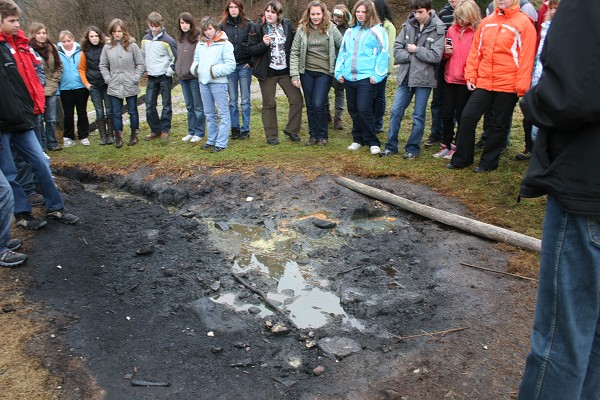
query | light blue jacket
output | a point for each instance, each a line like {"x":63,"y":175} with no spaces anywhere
{"x":364,"y":53}
{"x":214,"y":61}
{"x":70,"y":79}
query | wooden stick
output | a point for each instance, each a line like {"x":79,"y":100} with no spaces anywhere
{"x":458,"y":221}
{"x":430,"y":334}
{"x":264,"y":298}
{"x":498,"y":272}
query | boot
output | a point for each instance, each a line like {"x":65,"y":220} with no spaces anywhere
{"x":235,"y":133}
{"x":133,"y":139}
{"x":338,"y":124}
{"x":118,"y":139}
{"x":101,"y":124}
{"x":110,"y":134}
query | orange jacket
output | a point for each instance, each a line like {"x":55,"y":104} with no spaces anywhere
{"x":501,"y":57}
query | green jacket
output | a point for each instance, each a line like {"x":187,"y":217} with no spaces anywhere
{"x":298,"y":52}
{"x":390,"y":29}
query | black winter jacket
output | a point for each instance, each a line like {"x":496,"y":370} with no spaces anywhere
{"x":564,"y":105}
{"x":92,"y":58}
{"x":237,"y":34}
{"x":16,"y":105}
{"x":261,"y":56}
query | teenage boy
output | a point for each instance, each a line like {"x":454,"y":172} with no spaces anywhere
{"x":418,"y":49}
{"x":159,"y":50}
{"x":22,"y":93}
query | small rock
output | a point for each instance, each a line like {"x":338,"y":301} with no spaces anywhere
{"x":323,"y":223}
{"x":216,"y":350}
{"x":169,"y":272}
{"x":338,"y":347}
{"x":189,"y":214}
{"x":241,"y":345}
{"x":247,"y":362}
{"x":269,"y":224}
{"x":222,"y":226}
{"x":318,"y":370}
{"x":310,"y":344}
{"x":249,"y":198}
{"x":280,"y":329}
{"x":254,"y":310}
{"x":144,"y":251}
{"x":215,"y":286}
{"x":268,"y":324}
{"x":210,"y":334}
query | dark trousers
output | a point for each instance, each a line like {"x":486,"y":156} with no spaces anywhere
{"x":71,"y":100}
{"x":454,"y":101}
{"x":316,"y":90}
{"x":379,"y":105}
{"x":159,"y":85}
{"x":360,"y":96}
{"x":480,"y":102}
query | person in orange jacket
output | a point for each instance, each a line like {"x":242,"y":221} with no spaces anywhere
{"x":498,"y":71}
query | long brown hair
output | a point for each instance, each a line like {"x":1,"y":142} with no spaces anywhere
{"x":305,"y":20}
{"x":240,"y":5}
{"x":372,"y":18}
{"x":85,"y":42}
{"x":118,"y":23}
{"x":43,"y":49}
{"x":192,"y":35}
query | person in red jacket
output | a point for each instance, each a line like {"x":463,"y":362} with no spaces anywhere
{"x":498,"y":71}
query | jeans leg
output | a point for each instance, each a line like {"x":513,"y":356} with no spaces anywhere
{"x":565,"y":336}
{"x":50,"y":118}
{"x":166,"y":85}
{"x":97,"y":97}
{"x":245,"y":75}
{"x":379,"y":105}
{"x":83,"y":124}
{"x":200,"y":127}
{"x":117,"y":106}
{"x":413,"y":144}
{"x":186,"y":89}
{"x":479,"y":102}
{"x":132,"y":110}
{"x":38,"y":128}
{"x":401,"y":101}
{"x":25,"y":176}
{"x":221,"y":98}
{"x":321,"y":85}
{"x":234,"y":112}
{"x":211,"y":114}
{"x":7,"y":207}
{"x":308,"y":82}
{"x":152,"y":88}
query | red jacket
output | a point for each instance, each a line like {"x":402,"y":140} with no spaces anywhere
{"x":454,"y":71}
{"x":501,"y":57}
{"x":26,"y":60}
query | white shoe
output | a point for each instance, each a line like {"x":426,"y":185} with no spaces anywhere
{"x":187,"y":138}
{"x":354,"y":146}
{"x":195,"y":139}
{"x":85,"y":142}
{"x":47,"y":156}
{"x":375,"y":150}
{"x":68,"y":142}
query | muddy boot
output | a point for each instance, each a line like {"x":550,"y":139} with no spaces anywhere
{"x":101,"y":124}
{"x":110,"y":135}
{"x":118,"y":139}
{"x":133,"y":139}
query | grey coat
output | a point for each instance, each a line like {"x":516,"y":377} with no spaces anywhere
{"x":122,"y":69}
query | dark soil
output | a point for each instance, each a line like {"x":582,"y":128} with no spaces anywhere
{"x":127,"y":294}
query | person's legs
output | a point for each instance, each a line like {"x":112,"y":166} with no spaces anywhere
{"x":67,"y":98}
{"x":245,"y":76}
{"x":232,"y":81}
{"x":38,"y":128}
{"x":210,"y":112}
{"x":97,"y":97}
{"x":340,"y":99}
{"x":449,"y":112}
{"x":379,"y":105}
{"x":117,"y":106}
{"x":83,"y":124}
{"x":352,"y":102}
{"x":132,"y":110}
{"x":152,"y":89}
{"x":320,"y":100}
{"x":7,"y":207}
{"x":364,"y":102}
{"x":401,"y":101}
{"x":413,"y":144}
{"x":50,"y":118}
{"x":186,"y":89}
{"x":220,"y":94}
{"x":295,"y":101}
{"x":307,"y":80}
{"x":503,"y":105}
{"x":437,"y":104}
{"x":166,"y":85}
{"x":268,"y":87}
{"x":563,"y":361}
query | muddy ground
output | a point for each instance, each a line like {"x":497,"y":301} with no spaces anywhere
{"x":137,"y":291}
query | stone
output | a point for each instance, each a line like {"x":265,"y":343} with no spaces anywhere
{"x":144,"y":251}
{"x":337,"y":347}
{"x":279,"y":329}
{"x":254,"y":310}
{"x":323,"y":223}
{"x":318,"y":370}
{"x":222,"y":226}
{"x":215,"y":286}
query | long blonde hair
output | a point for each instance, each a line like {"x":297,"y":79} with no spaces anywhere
{"x":305,"y":20}
{"x":469,"y":12}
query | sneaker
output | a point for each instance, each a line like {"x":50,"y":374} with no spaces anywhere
{"x":323,"y":142}
{"x":443,"y":151}
{"x":27,"y":221}
{"x":524,"y":156}
{"x":68,"y":142}
{"x":311,"y":142}
{"x":409,"y":156}
{"x":354,"y":146}
{"x":449,"y":155}
{"x":375,"y":150}
{"x":13,"y":244}
{"x":217,"y":149}
{"x":36,"y":199}
{"x":152,"y":136}
{"x":63,"y":216}
{"x":386,"y":153}
{"x":431,"y":141}
{"x":195,"y":139}
{"x":273,"y":141}
{"x":12,"y":259}
{"x":55,"y":148}
{"x":292,"y":136}
{"x":46,"y":155}
{"x":244,"y":135}
{"x":187,"y":138}
{"x":164,"y":135}
{"x":206,"y":146}
{"x":85,"y":142}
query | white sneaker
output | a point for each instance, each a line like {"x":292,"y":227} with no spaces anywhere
{"x":85,"y":142}
{"x":195,"y":139}
{"x":46,"y":155}
{"x":375,"y":150}
{"x":68,"y":142}
{"x":354,"y":146}
{"x":187,"y":138}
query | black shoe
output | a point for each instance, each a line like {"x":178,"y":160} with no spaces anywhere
{"x":55,"y":148}
{"x":14,"y":244}
{"x":235,"y":133}
{"x":480,"y":144}
{"x":479,"y":170}
{"x":524,"y":156}
{"x":36,"y":199}
{"x":12,"y":259}
{"x":217,"y":149}
{"x":386,"y":153}
{"x":63,"y":216}
{"x":292,"y":136}
{"x":452,"y":166}
{"x":273,"y":141}
{"x":27,"y":221}
{"x":311,"y":142}
{"x":206,"y":146}
{"x":244,"y":135}
{"x":431,"y":141}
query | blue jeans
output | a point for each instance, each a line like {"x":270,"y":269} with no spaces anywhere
{"x":159,"y":84}
{"x":117,"y":106}
{"x":360,"y":96}
{"x":27,"y":146}
{"x":316,"y":95}
{"x":193,"y":103}
{"x":216,"y":94}
{"x":101,"y":102}
{"x":243,"y":76}
{"x":7,"y":207}
{"x":49,"y":134}
{"x":404,"y":95}
{"x":564,"y":361}
{"x":379,"y":105}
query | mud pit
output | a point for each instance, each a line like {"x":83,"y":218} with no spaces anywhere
{"x":176,"y":315}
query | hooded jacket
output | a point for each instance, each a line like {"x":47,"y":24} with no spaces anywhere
{"x":364,"y":54}
{"x":213,"y":59}
{"x":70,"y":79}
{"x":237,"y":33}
{"x":122,"y":69}
{"x":501,"y":57}
{"x":300,"y":46}
{"x":420,"y":66}
{"x":185,"y":58}
{"x":159,"y":53}
{"x":454,"y":69}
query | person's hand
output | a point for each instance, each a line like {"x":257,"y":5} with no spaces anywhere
{"x":341,"y":80}
{"x":471,"y":86}
{"x":373,"y":81}
{"x":411,"y":48}
{"x":267,"y":40}
{"x":296,"y":84}
{"x":449,"y":49}
{"x":88,"y":86}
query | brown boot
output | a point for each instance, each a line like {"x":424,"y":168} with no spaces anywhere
{"x":118,"y":139}
{"x":101,"y":125}
{"x":338,"y":124}
{"x":110,"y":135}
{"x":133,"y":139}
